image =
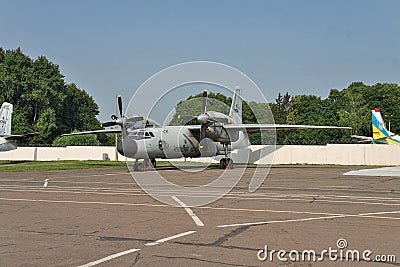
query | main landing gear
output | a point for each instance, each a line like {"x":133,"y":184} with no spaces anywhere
{"x":147,"y":164}
{"x":225,"y":162}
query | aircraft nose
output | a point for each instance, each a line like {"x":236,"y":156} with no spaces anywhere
{"x":128,"y":147}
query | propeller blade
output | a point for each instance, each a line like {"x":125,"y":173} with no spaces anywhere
{"x":204,"y":101}
{"x":119,"y":101}
{"x":221,"y":120}
{"x":135,"y":119}
{"x":186,"y":118}
{"x":203,"y":132}
{"x":108,"y":124}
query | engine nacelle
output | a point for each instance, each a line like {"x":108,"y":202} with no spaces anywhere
{"x":219,"y":134}
{"x":128,"y":147}
{"x":208,"y":148}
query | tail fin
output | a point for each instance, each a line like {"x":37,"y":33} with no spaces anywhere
{"x":5,"y":118}
{"x":236,"y":108}
{"x":378,"y":125}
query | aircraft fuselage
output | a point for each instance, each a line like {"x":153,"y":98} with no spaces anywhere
{"x":7,"y":145}
{"x":177,"y":142}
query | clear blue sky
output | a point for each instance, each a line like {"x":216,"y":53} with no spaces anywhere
{"x":303,"y":47}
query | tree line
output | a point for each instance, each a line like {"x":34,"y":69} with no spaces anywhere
{"x":45,"y":103}
{"x":349,"y":107}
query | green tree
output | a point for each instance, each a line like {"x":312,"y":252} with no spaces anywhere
{"x":41,"y":98}
{"x":46,"y":126}
{"x":76,"y":140}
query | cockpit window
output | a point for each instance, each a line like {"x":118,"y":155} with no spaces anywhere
{"x":149,"y":135}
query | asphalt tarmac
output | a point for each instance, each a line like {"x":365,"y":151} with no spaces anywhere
{"x":101,"y":217}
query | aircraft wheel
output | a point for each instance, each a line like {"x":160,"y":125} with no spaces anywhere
{"x":222,"y":163}
{"x":153,"y":162}
{"x":229,"y":163}
{"x":138,"y":167}
{"x":141,"y":167}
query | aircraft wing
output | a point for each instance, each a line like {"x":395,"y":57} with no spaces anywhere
{"x":95,"y":132}
{"x":14,"y":137}
{"x":252,"y":128}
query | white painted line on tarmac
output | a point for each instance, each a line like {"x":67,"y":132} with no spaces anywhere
{"x":281,"y":221}
{"x":189,"y":211}
{"x":113,"y":256}
{"x":361,"y":215}
{"x":84,"y":202}
{"x":364,"y":215}
{"x":379,"y":213}
{"x":169,"y":238}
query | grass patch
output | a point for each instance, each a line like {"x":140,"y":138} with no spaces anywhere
{"x":25,"y":166}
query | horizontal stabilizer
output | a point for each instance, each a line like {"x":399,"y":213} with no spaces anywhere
{"x":15,"y":137}
{"x":363,"y":138}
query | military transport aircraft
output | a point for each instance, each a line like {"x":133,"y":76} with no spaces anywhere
{"x":7,"y":140}
{"x":379,"y":132}
{"x":215,"y":134}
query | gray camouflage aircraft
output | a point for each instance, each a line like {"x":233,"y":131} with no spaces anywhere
{"x":215,"y":134}
{"x":8,"y":140}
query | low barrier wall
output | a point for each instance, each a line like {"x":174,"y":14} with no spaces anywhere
{"x":339,"y":154}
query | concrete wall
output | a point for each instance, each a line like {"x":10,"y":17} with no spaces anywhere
{"x":60,"y":153}
{"x":341,"y":154}
{"x":338,"y":154}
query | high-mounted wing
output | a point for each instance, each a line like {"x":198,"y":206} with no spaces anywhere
{"x":252,"y":128}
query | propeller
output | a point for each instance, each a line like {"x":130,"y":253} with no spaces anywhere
{"x":204,"y":118}
{"x":115,"y":119}
{"x":120,"y":120}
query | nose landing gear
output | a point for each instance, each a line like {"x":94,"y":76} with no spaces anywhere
{"x":147,"y":164}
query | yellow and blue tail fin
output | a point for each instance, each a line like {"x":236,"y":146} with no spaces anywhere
{"x":378,"y":125}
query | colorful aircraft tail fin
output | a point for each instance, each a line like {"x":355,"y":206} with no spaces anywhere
{"x":378,"y":125}
{"x":5,"y":118}
{"x":236,"y":108}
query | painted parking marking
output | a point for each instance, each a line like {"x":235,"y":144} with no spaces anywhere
{"x":169,"y":238}
{"x":189,"y":211}
{"x":361,"y":215}
{"x":363,"y":200}
{"x":113,"y":256}
{"x":204,"y":207}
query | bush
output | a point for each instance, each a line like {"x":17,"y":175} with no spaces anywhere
{"x":76,"y":140}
